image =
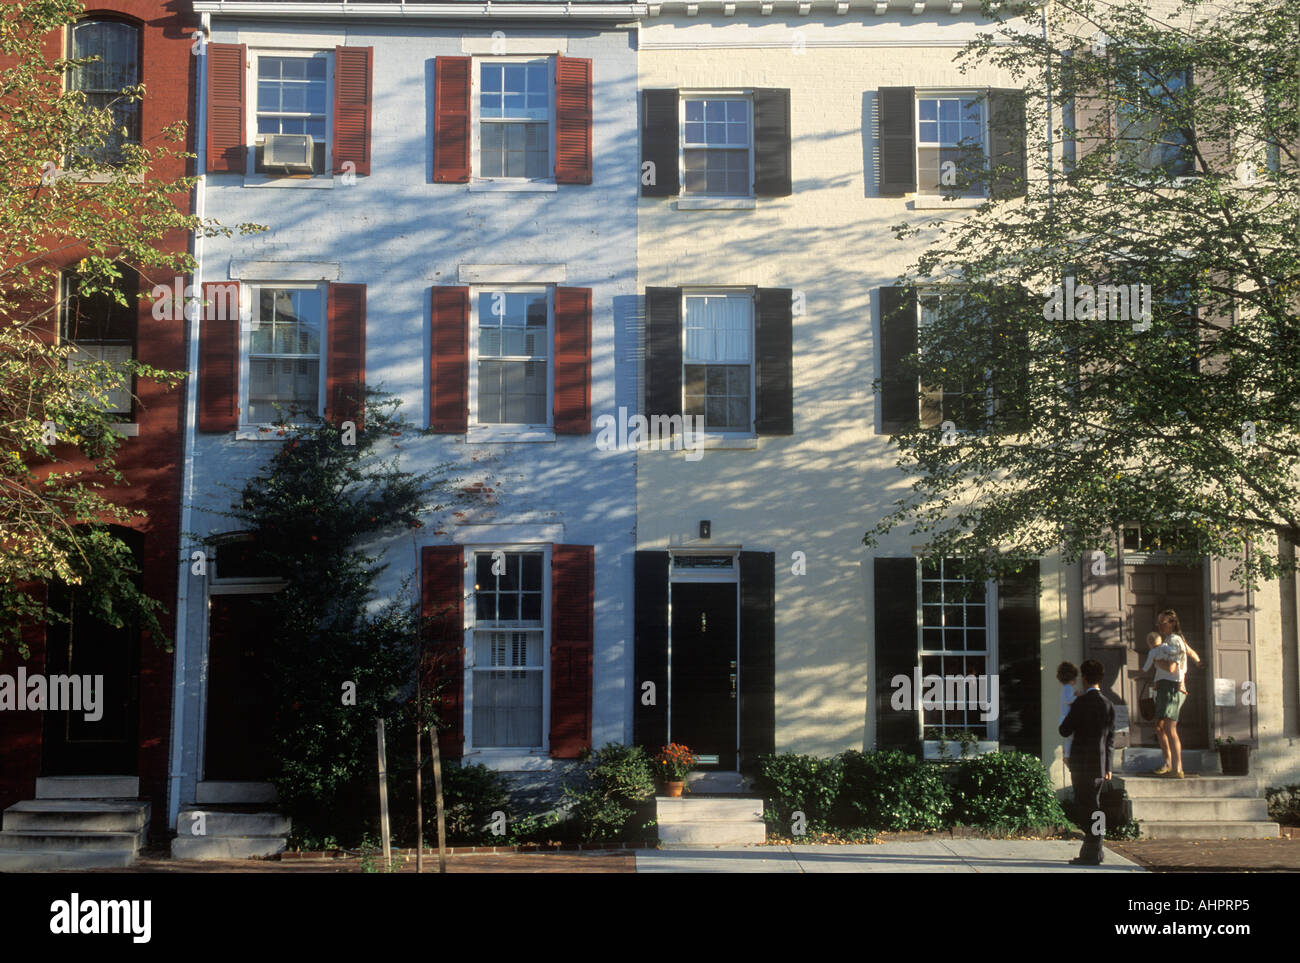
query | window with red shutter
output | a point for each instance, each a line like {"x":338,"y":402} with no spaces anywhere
{"x":353,"y":68}
{"x":442,"y":606}
{"x":345,"y":365}
{"x":573,"y":583}
{"x":573,"y":361}
{"x":226,"y":81}
{"x":449,"y":364}
{"x":451,"y":120}
{"x":573,"y":149}
{"x":219,"y":357}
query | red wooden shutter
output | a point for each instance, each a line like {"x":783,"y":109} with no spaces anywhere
{"x":451,"y":92}
{"x":219,"y":357}
{"x":352,"y":86}
{"x":225,"y":108}
{"x":449,"y":383}
{"x":573,"y":586}
{"x":572,"y":120}
{"x":442,"y":604}
{"x":345,"y":363}
{"x":573,"y":361}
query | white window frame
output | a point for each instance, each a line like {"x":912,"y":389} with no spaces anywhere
{"x":1153,"y":177}
{"x":63,"y":277}
{"x":510,"y":758}
{"x":943,"y":291}
{"x":981,"y":98}
{"x":494,"y":431}
{"x":746,"y":95}
{"x":752,"y":295}
{"x":249,"y":296}
{"x":477,"y":180}
{"x":251,"y":174}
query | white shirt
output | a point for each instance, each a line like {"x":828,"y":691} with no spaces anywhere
{"x":1173,"y":649}
{"x":1068,"y":695}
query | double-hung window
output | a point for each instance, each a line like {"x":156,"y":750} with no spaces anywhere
{"x":717,"y":149}
{"x":1149,"y":137}
{"x":958,"y":400}
{"x":512,"y":383}
{"x":286,"y":330}
{"x":950,"y":143}
{"x":293,"y":98}
{"x":514,"y":119}
{"x":117,"y":46}
{"x":956,"y":644}
{"x":507,"y":684}
{"x":99,"y":327}
{"x":717,"y":360}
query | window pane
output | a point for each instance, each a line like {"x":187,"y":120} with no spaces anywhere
{"x":532,"y":572}
{"x":507,"y":709}
{"x":694,"y":110}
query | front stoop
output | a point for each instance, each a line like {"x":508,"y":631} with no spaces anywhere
{"x":233,"y":826}
{"x":701,"y":821}
{"x":75,"y":822}
{"x":1198,"y":807}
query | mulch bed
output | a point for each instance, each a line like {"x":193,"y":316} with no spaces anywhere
{"x":1215,"y":855}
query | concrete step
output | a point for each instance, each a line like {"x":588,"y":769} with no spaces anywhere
{"x":1208,"y":809}
{"x":47,"y":860}
{"x":210,"y":793}
{"x":726,"y":783}
{"x":40,"y":840}
{"x":217,"y":822}
{"x":694,"y":809}
{"x":87,"y":787}
{"x":1219,"y":829}
{"x":1195,"y":786}
{"x":1146,"y":759}
{"x":226,"y":847}
{"x":77,"y":815}
{"x":716,"y":832}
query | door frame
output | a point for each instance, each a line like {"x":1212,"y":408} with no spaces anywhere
{"x":705,"y":576}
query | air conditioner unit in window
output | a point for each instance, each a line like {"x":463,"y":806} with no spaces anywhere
{"x":288,"y":152}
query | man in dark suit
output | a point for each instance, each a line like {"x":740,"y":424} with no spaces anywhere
{"x":1091,"y":721}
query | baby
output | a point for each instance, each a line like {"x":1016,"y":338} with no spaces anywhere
{"x":1166,"y":656}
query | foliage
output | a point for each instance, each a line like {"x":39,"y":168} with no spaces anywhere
{"x":891,"y":790}
{"x":114,"y":215}
{"x":1284,"y":803}
{"x":609,"y":791}
{"x":792,"y":783}
{"x":674,"y":761}
{"x":471,"y":794}
{"x":1182,"y":418}
{"x":1129,"y":830}
{"x":309,"y":512}
{"x":1005,"y":790}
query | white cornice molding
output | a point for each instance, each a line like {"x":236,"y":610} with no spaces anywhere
{"x":621,"y":12}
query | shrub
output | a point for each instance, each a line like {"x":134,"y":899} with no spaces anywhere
{"x":792,"y":783}
{"x":890,"y":790}
{"x":470,"y":795}
{"x":1005,"y":791}
{"x":1284,"y":804}
{"x":609,"y":793}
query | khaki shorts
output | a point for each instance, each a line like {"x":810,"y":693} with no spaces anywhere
{"x":1169,"y":701}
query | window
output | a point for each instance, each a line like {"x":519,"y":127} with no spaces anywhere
{"x":100,"y":328}
{"x":507,"y":684}
{"x":949,"y":144}
{"x":514,"y":107}
{"x":958,"y":401}
{"x":284,"y":353}
{"x":292,"y":98}
{"x":513,"y":374}
{"x":717,"y":360}
{"x":716,"y":146}
{"x":1147,"y":136}
{"x":955,"y":645}
{"x":117,"y":47}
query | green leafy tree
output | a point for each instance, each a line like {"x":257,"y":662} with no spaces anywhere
{"x":71,"y":179}
{"x":1171,"y":170}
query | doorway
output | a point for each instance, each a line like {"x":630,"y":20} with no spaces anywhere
{"x":703,"y":671}
{"x":240,"y":698}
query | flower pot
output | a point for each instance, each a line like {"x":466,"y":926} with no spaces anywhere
{"x":1234,"y":760}
{"x":674,"y":787}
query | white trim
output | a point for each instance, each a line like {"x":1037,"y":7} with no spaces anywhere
{"x":976,"y":94}
{"x":745,"y":95}
{"x":515,"y":46}
{"x":716,"y":204}
{"x":320,"y":182}
{"x":510,"y":273}
{"x":507,"y":533}
{"x":935,"y":202}
{"x":248,"y":430}
{"x":492,"y":434}
{"x":477,"y":181}
{"x":711,"y":437}
{"x":449,"y":11}
{"x":252,"y":176}
{"x":477,"y":431}
{"x":493,"y":186}
{"x":509,"y":760}
{"x":308,"y":271}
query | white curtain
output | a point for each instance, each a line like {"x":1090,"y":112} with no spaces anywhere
{"x":718,"y":329}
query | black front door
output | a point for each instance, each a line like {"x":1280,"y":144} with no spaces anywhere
{"x":241,"y":699}
{"x":703,"y":695}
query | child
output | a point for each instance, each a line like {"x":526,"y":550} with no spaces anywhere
{"x":1166,"y":657}
{"x":1066,"y":673}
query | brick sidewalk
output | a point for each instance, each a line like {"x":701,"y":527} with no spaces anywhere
{"x":616,"y":861}
{"x":1213,"y":855}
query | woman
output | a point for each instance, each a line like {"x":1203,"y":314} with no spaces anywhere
{"x":1170,"y":660}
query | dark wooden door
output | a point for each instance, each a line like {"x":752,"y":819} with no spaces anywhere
{"x":1149,"y":588}
{"x":240,"y":696}
{"x":703,"y":684}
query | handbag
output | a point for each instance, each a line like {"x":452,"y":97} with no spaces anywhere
{"x":1146,"y":704}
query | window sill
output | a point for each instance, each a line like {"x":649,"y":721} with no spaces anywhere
{"x":127,"y":429}
{"x":716,"y":204}
{"x":263,"y":432}
{"x":99,"y":178}
{"x":317,"y":181}
{"x":981,"y":748}
{"x":490,"y":186}
{"x":498,"y":434}
{"x":510,"y":760}
{"x":728,"y":441}
{"x":934,"y":202}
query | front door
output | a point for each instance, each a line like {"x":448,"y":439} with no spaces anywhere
{"x":703,"y":671}
{"x":1149,"y":588}
{"x":239,"y":693}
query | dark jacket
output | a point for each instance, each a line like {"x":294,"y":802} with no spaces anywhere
{"x":1091,"y":721}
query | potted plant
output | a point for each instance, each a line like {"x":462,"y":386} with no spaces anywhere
{"x":1234,"y":757}
{"x":672,"y":764}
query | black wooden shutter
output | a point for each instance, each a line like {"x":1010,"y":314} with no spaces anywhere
{"x":896,"y":636}
{"x":1007,"y":141}
{"x":663,"y":351}
{"x":650,"y":651}
{"x":898,"y":386}
{"x":772,"y":143}
{"x":659,"y":143}
{"x":757,"y":681}
{"x":897,"y":112}
{"x":774,"y":377}
{"x":1020,"y":678}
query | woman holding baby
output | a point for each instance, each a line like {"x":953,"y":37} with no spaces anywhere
{"x":1168,"y":651}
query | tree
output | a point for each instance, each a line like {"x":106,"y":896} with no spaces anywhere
{"x":1119,"y":345}
{"x":73,"y":184}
